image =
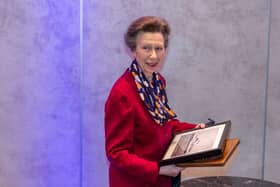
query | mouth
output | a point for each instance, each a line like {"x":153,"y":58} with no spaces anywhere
{"x":152,"y":64}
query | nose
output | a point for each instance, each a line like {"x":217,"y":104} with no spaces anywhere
{"x":153,"y":53}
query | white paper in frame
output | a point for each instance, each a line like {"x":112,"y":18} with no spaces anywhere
{"x":194,"y":142}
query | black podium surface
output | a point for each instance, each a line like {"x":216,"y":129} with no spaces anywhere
{"x":228,"y":181}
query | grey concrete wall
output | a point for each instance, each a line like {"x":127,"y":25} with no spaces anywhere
{"x":272,"y":137}
{"x":39,"y":93}
{"x":222,"y":74}
{"x":222,"y":63}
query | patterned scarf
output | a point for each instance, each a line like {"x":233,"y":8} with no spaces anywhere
{"x":152,"y":94}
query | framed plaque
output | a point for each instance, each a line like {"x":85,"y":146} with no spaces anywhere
{"x":197,"y":144}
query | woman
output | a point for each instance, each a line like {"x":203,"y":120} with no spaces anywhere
{"x":139,"y":123}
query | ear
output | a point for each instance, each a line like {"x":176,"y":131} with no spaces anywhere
{"x":133,"y":53}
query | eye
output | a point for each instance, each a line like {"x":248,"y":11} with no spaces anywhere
{"x":146,"y":48}
{"x":159,"y":48}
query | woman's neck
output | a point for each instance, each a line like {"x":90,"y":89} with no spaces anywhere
{"x":149,"y":78}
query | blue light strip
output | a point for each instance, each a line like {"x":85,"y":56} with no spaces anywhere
{"x":81,"y":90}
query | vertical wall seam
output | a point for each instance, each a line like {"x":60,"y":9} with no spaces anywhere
{"x":81,"y":92}
{"x":266,"y":87}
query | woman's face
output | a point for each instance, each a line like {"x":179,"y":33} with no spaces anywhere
{"x":150,"y":52}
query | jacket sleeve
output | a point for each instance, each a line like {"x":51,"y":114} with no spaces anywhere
{"x":179,"y":126}
{"x":119,"y":130}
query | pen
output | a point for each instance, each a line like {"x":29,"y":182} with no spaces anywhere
{"x":210,"y":122}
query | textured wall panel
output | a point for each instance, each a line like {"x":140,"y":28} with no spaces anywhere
{"x":39,"y":94}
{"x":216,"y":68}
{"x":272,"y":155}
{"x":104,"y":59}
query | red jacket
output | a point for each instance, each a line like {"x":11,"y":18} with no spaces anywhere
{"x":134,"y":141}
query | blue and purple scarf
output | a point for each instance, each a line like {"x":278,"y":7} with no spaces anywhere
{"x":152,"y":94}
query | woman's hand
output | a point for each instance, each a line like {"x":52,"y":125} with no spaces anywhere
{"x":170,"y":170}
{"x":200,"y":126}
